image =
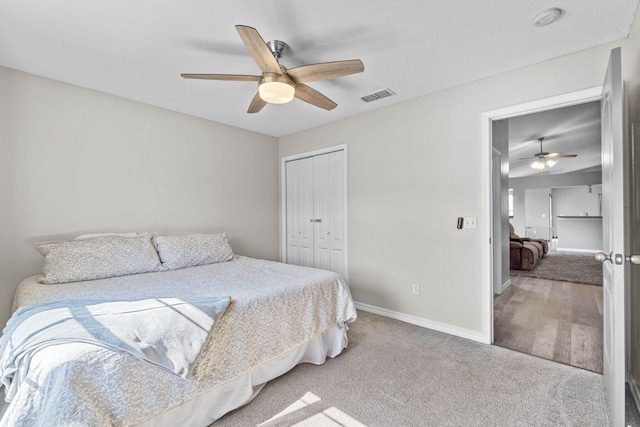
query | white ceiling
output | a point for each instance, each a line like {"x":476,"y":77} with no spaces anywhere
{"x":568,"y":130}
{"x":137,"y":49}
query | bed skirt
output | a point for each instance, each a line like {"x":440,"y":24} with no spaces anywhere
{"x":203,"y":410}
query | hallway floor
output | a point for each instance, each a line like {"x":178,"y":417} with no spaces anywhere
{"x":560,"y":321}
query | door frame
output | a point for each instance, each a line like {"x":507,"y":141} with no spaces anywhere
{"x":283,"y":199}
{"x":498,"y":260}
{"x":551,"y":103}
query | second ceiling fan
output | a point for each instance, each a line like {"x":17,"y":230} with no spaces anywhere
{"x":277,"y":84}
{"x":544,"y":160}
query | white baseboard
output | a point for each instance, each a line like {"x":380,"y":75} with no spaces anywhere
{"x":425,"y":323}
{"x":588,"y":251}
{"x":505,"y":285}
{"x":634,"y":390}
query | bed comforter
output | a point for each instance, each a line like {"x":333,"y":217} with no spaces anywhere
{"x":274,"y":308}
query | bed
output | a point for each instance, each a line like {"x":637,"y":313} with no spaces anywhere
{"x":279,"y":315}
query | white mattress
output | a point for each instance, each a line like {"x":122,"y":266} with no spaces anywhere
{"x":280,"y":315}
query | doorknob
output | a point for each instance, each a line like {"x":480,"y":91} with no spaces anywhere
{"x":633,"y":259}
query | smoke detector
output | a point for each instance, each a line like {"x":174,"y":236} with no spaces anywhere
{"x":547,"y":16}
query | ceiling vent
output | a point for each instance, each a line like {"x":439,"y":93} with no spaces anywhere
{"x":378,"y":95}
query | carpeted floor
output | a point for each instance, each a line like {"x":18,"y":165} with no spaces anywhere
{"x":632,"y":416}
{"x":566,"y":267}
{"x":397,"y":374}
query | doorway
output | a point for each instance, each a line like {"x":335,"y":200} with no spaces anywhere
{"x":488,"y":119}
{"x":552,"y":308}
{"x":614,"y":218}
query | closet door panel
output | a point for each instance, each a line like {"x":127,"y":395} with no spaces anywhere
{"x":299,"y":176}
{"x":328,"y":173}
{"x":337,"y":203}
{"x":321,"y":212}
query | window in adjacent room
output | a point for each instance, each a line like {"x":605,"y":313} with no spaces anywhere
{"x":511,"y":203}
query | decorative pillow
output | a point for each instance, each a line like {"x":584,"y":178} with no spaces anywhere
{"x":195,"y":249}
{"x":98,"y":258}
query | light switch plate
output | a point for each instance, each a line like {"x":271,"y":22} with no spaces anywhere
{"x":470,"y":222}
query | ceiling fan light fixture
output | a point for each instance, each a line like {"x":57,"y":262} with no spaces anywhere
{"x":537,"y":164}
{"x":276,"y":89}
{"x":543,"y":163}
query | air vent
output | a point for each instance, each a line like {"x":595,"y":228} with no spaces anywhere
{"x":378,"y":95}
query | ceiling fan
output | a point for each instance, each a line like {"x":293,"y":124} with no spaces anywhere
{"x":277,"y":84}
{"x":544,"y":160}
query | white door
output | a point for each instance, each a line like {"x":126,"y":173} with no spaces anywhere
{"x":299,"y":176}
{"x":328,"y":206}
{"x":613,"y":239}
{"x":316,"y":212}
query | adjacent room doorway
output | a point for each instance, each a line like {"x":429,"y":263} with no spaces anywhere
{"x":552,"y":309}
{"x":613,"y":221}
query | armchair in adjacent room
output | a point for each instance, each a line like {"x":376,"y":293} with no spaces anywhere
{"x":524,"y":251}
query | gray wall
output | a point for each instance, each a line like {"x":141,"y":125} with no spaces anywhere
{"x":576,"y":200}
{"x":74,"y":161}
{"x":580,"y":234}
{"x":546,"y":182}
{"x":536,"y":209}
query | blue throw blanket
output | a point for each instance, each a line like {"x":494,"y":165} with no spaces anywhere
{"x":168,"y":332}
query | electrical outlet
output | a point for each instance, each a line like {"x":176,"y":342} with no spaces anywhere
{"x":470,"y":222}
{"x":416,"y":289}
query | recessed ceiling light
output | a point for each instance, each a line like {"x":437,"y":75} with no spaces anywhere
{"x":547,"y":17}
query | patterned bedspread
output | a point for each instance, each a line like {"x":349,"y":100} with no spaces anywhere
{"x":275,"y":307}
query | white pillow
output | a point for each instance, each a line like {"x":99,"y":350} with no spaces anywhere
{"x":98,"y":258}
{"x":91,"y":236}
{"x":191,"y":250}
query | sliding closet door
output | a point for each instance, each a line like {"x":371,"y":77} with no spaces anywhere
{"x":316,"y":212}
{"x":299,"y":212}
{"x":328,"y":183}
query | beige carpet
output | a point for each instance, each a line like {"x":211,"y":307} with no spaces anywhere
{"x":566,"y":267}
{"x":397,"y":374}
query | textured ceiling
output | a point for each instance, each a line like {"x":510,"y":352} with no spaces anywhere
{"x":568,"y":130}
{"x":137,"y":49}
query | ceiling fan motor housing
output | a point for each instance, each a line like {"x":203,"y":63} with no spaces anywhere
{"x":278,"y":48}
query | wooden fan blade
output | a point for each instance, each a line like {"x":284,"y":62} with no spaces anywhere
{"x":313,"y":97}
{"x":258,"y":49}
{"x":325,"y":70}
{"x":256,"y":104}
{"x":233,"y":77}
{"x":559,"y":156}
